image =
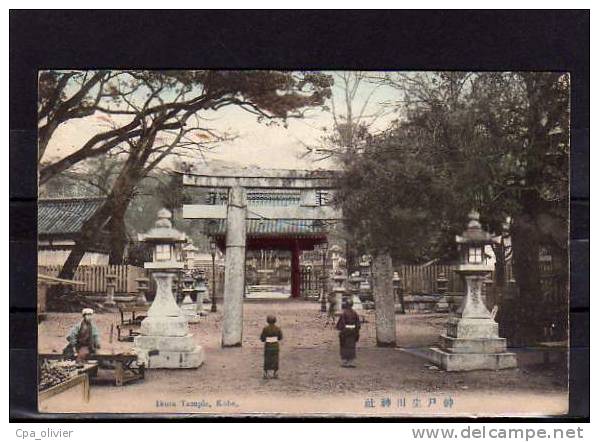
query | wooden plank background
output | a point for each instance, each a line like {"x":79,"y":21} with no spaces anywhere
{"x":94,"y":277}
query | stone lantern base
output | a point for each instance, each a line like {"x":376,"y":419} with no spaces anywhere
{"x":473,"y":361}
{"x":165,"y":341}
{"x":472,"y":340}
{"x":357,"y":302}
{"x":189,"y":308}
{"x":475,"y":345}
{"x":472,"y":352}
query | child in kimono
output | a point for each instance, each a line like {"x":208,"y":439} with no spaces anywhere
{"x":271,"y":335}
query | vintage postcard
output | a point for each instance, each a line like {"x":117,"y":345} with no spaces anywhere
{"x":303,"y":243}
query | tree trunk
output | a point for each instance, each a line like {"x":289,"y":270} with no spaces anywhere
{"x":115,"y":205}
{"x":500,"y":282}
{"x":384,"y":302}
{"x":526,"y":271}
{"x":118,"y":237}
{"x":89,"y":232}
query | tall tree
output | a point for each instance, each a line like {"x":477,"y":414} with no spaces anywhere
{"x":156,"y":114}
{"x":354,"y":117}
{"x":169,"y":98}
{"x":497,"y":142}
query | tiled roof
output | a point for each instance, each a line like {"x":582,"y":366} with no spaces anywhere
{"x":65,"y":216}
{"x":272,"y":227}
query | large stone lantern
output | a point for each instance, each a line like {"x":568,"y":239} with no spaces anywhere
{"x":472,"y":341}
{"x":165,"y":341}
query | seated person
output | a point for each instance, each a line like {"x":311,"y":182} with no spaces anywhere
{"x":83,"y":338}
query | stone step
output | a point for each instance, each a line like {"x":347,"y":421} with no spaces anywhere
{"x":172,"y":359}
{"x":473,"y":361}
{"x":473,"y":345}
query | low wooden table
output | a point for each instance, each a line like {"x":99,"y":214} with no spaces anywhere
{"x":82,"y":378}
{"x":125,"y":365}
{"x":83,"y":374}
{"x":133,"y":309}
{"x":126,"y":368}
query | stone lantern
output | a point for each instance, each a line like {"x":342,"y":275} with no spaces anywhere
{"x":442,"y":284}
{"x":201,"y":289}
{"x":165,"y":341}
{"x":354,"y":286}
{"x":366,"y":273}
{"x":472,"y":341}
{"x":335,"y":252}
{"x":110,"y":290}
{"x":190,"y":254}
{"x":339,"y":279}
{"x":143,"y":286}
{"x":187,"y":305}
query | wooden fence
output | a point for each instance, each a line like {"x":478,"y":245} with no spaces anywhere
{"x":94,"y":277}
{"x":423,"y":279}
{"x":420,"y":279}
{"x":414,"y":278}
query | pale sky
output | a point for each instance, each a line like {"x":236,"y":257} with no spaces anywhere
{"x":256,"y":144}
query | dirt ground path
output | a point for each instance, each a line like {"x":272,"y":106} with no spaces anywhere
{"x":311,"y":378}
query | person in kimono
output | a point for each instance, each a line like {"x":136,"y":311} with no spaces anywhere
{"x":349,"y":334}
{"x":83,"y":337}
{"x":271,"y":335}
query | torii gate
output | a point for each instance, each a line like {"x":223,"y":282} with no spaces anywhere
{"x":238,"y":183}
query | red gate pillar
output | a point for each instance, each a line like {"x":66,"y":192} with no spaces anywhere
{"x":295,"y":271}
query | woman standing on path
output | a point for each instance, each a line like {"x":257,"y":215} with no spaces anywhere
{"x":349,"y":334}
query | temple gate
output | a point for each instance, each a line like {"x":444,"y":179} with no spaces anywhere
{"x":257,"y":209}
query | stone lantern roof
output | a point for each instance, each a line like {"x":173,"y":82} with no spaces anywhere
{"x":335,"y":249}
{"x":189,"y":247}
{"x":163,"y":230}
{"x":474,"y":233}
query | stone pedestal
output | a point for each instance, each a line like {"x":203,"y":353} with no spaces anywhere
{"x":338,"y":300}
{"x":323,"y":290}
{"x":339,"y":290}
{"x":201,"y":294}
{"x":442,"y":305}
{"x":189,"y":307}
{"x":472,"y":340}
{"x":110,"y":290}
{"x":165,"y":341}
{"x":143,"y":286}
{"x":442,"y":283}
{"x":354,"y":282}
